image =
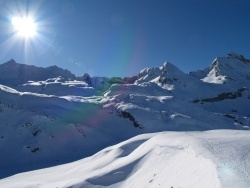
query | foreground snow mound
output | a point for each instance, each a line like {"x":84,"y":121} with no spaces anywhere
{"x":168,"y":159}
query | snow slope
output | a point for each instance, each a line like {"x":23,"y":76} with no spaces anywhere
{"x":59,"y":86}
{"x":60,"y":119}
{"x":209,"y":159}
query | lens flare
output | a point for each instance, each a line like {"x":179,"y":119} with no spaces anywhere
{"x":24,"y":26}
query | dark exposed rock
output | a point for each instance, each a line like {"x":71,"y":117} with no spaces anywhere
{"x":36,"y":132}
{"x":129,"y":116}
{"x":229,"y":116}
{"x":130,"y":80}
{"x":28,"y":124}
{"x":86,"y":77}
{"x":238,"y":56}
{"x":223,"y":96}
{"x":33,"y":150}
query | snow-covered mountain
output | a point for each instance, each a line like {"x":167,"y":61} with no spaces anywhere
{"x":232,"y":69}
{"x":13,"y":74}
{"x":54,"y":80}
{"x":50,"y":117}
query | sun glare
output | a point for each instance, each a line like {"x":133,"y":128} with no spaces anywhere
{"x":25,"y":26}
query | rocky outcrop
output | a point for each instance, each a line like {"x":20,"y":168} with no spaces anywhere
{"x":129,"y":116}
{"x":238,"y":56}
{"x":223,"y":96}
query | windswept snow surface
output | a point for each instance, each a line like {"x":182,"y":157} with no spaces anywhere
{"x":210,"y":159}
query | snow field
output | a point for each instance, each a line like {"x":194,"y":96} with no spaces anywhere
{"x":211,"y":159}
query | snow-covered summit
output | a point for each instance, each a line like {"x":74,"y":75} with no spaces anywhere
{"x":232,"y":69}
{"x":170,"y":78}
{"x":228,"y":70}
{"x":164,"y":74}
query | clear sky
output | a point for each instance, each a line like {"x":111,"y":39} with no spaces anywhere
{"x":121,"y":37}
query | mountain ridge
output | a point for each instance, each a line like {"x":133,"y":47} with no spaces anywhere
{"x":13,"y":73}
{"x":21,"y":73}
{"x":58,"y":120}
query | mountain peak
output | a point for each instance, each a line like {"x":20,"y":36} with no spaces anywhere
{"x":13,"y":73}
{"x":171,"y":68}
{"x":54,"y":66}
{"x":11,"y":61}
{"x":230,"y":69}
{"x":160,"y":74}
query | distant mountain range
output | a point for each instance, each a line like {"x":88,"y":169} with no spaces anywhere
{"x":48,"y":116}
{"x":14,"y":74}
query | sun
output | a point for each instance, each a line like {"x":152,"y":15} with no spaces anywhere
{"x":24,"y":26}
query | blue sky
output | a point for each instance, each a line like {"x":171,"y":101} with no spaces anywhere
{"x":121,"y":37}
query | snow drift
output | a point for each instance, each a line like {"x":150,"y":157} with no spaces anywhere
{"x":209,"y":159}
